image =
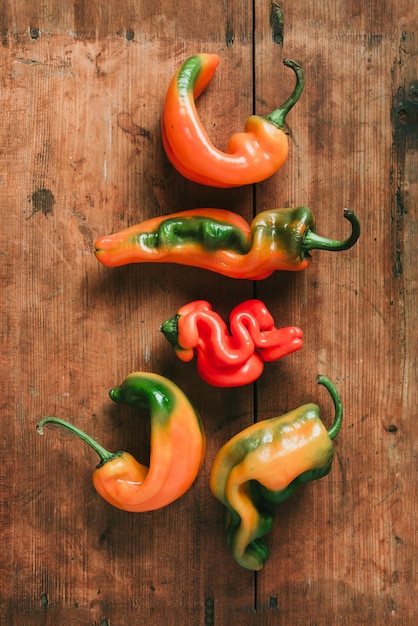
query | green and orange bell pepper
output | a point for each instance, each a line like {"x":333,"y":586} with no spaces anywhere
{"x":222,"y":241}
{"x":263,"y":465}
{"x":250,"y":156}
{"x":234,"y":356}
{"x":177,"y":447}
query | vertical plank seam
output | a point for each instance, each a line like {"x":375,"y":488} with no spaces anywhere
{"x":254,"y":211}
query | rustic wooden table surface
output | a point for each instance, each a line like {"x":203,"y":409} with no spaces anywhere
{"x":82,"y":89}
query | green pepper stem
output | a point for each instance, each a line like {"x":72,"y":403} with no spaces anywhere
{"x":278,"y":116}
{"x":335,"y":428}
{"x":104,"y":455}
{"x":169,"y":328}
{"x":312,"y":241}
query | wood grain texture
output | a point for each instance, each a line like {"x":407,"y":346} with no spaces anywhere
{"x":82,"y":89}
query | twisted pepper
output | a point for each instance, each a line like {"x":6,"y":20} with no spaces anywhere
{"x":177,"y":447}
{"x":263,"y":465}
{"x":223,"y":242}
{"x":250,"y":156}
{"x":235,"y":356}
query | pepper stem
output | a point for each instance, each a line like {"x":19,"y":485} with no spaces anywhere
{"x":104,"y":455}
{"x":278,"y":116}
{"x":312,"y":241}
{"x":169,"y":328}
{"x":335,"y":428}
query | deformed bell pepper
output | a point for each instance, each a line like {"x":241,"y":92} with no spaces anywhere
{"x":177,"y":447}
{"x":234,"y":356}
{"x":250,"y":156}
{"x":222,"y":241}
{"x":262,"y":466}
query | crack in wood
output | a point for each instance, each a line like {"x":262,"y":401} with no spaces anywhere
{"x":405,"y":131}
{"x":404,"y":117}
{"x":229,"y":35}
{"x":277,"y":23}
{"x":44,"y":600}
{"x":209,"y":612}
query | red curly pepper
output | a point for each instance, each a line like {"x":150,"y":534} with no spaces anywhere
{"x":235,"y":356}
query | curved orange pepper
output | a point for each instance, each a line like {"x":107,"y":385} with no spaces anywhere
{"x":177,"y":447}
{"x":250,"y":156}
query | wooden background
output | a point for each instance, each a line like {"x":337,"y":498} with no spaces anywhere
{"x":82,"y":88}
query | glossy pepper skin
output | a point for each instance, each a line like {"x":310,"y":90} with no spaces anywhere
{"x":177,"y":447}
{"x":262,"y":466}
{"x":250,"y":157}
{"x":222,"y":241}
{"x":234,"y":356}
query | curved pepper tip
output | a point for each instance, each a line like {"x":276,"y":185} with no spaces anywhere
{"x":103,"y":248}
{"x":114,"y":394}
{"x":110,"y":249}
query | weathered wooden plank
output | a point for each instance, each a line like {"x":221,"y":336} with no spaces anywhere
{"x":80,"y":156}
{"x":89,"y":21}
{"x":337,"y":544}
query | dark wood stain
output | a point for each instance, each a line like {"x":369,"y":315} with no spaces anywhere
{"x":82,"y":89}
